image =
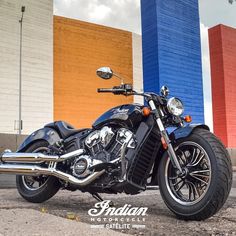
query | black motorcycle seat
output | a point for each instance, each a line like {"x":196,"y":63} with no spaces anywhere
{"x":64,"y":129}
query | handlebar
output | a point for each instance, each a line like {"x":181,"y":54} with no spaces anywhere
{"x":117,"y":90}
{"x":104,"y":90}
{"x":127,"y":90}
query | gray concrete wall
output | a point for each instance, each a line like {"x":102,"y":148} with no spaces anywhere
{"x":37,"y":64}
{"x":232,"y":153}
{"x":7,"y":181}
{"x":9,"y":141}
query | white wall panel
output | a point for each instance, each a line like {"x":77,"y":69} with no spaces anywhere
{"x":137,"y":66}
{"x":37,"y":64}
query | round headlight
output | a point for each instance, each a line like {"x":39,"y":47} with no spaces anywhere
{"x":175,"y":106}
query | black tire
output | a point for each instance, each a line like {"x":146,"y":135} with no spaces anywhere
{"x":44,"y":192}
{"x":219,"y":184}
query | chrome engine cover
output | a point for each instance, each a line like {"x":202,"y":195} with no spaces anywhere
{"x":102,"y":136}
{"x":83,"y":166}
{"x":122,"y":135}
{"x":99,"y":140}
{"x":103,"y":148}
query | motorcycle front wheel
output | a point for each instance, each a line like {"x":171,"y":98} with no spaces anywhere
{"x":204,"y":186}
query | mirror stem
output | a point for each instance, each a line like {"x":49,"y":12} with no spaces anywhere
{"x":121,"y":79}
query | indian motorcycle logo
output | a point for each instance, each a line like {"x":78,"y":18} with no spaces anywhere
{"x":125,"y":217}
{"x":120,"y":111}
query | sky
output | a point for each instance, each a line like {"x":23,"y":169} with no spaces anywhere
{"x":115,"y":13}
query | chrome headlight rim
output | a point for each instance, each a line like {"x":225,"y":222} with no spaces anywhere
{"x":171,"y":106}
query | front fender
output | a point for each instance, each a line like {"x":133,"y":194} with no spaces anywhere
{"x":185,"y":131}
{"x":47,"y":134}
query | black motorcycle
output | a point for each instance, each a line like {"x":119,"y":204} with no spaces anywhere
{"x":127,"y":150}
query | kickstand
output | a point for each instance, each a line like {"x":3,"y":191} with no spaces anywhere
{"x":100,"y":199}
{"x":97,"y":197}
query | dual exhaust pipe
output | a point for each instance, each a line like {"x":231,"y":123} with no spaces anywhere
{"x":17,"y":157}
{"x":27,"y":164}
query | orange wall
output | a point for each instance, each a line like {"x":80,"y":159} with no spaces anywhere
{"x":79,"y":49}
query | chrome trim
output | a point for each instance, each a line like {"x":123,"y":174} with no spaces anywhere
{"x":160,"y":124}
{"x":90,"y":166}
{"x":152,"y":187}
{"x":35,"y":170}
{"x":170,"y":106}
{"x":165,"y":91}
{"x":122,"y":155}
{"x":164,"y":134}
{"x":152,"y":105}
{"x":102,"y":136}
{"x":168,"y":185}
{"x":17,"y":157}
{"x":31,"y":188}
{"x":104,"y":72}
{"x":93,"y":138}
{"x":106,"y":134}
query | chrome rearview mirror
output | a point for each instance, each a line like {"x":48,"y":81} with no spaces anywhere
{"x":165,"y":91}
{"x":105,"y":72}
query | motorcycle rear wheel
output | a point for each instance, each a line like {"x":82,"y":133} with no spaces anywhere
{"x":205,"y":185}
{"x":41,"y":188}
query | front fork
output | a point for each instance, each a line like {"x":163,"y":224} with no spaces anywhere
{"x":165,"y":136}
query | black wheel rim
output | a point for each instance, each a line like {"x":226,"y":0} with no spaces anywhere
{"x":34,"y":183}
{"x":190,"y":187}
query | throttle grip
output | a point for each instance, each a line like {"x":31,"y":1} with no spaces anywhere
{"x":117,"y":90}
{"x":104,"y":90}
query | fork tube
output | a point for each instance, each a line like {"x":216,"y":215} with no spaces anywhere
{"x":164,"y":134}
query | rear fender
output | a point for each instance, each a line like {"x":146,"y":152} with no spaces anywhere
{"x":47,"y":134}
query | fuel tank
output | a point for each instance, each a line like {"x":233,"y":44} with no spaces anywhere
{"x":128,"y":114}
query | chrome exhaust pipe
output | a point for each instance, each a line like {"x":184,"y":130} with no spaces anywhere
{"x":35,"y":170}
{"x":23,"y":164}
{"x":17,"y":157}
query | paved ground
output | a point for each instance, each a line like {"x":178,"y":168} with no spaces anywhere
{"x":29,"y":222}
{"x":18,"y":217}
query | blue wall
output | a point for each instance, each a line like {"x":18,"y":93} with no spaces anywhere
{"x":172,"y":51}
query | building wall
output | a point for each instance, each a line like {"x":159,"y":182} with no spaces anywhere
{"x":137,"y":66}
{"x":37,"y":69}
{"x":80,"y":48}
{"x":222,"y":41}
{"x":172,"y":51}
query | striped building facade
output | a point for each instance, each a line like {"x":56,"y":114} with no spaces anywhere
{"x":37,"y":64}
{"x":59,"y":61}
{"x":222,"y":42}
{"x":61,"y":55}
{"x":80,"y":48}
{"x":172,"y":51}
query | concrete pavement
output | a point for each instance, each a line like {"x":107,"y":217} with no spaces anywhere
{"x":18,"y":217}
{"x":25,"y":222}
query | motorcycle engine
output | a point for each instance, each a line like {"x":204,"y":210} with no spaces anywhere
{"x":104,"y":145}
